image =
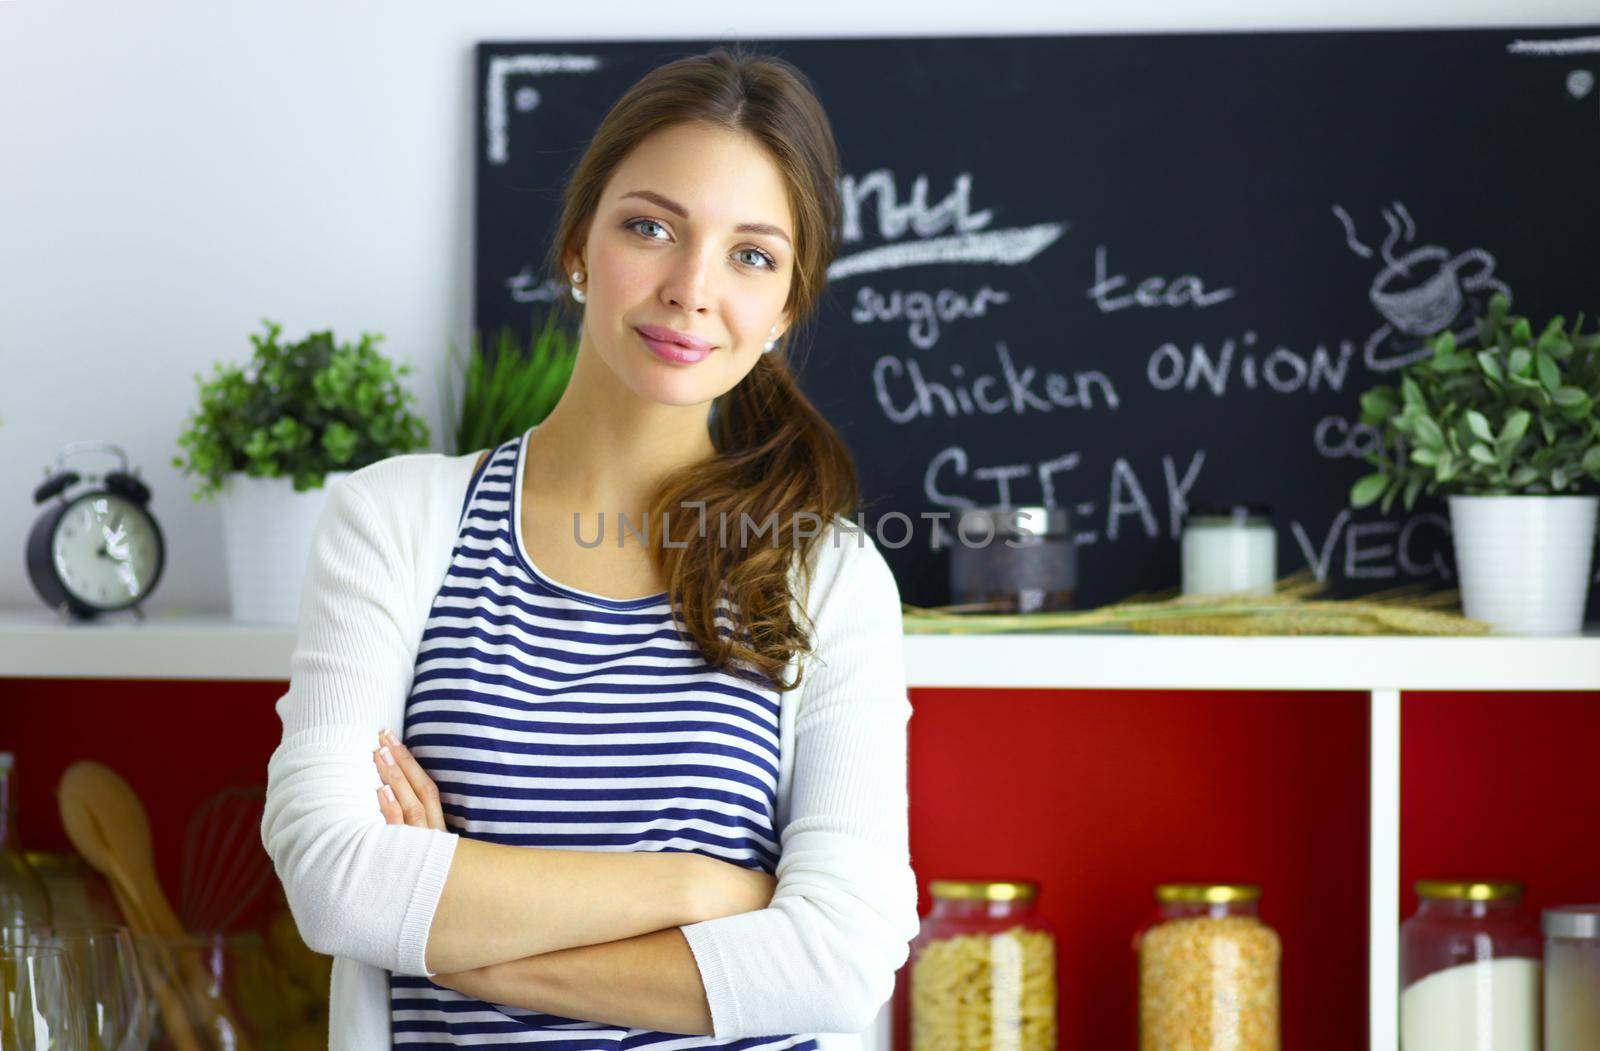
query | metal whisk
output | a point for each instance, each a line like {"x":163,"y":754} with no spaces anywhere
{"x":225,"y":867}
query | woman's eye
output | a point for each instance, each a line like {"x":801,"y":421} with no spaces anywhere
{"x":762,"y":259}
{"x":635,"y":224}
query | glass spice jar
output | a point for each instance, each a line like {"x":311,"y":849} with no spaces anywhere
{"x":983,"y":970}
{"x":1208,"y":971}
{"x":1013,"y":559}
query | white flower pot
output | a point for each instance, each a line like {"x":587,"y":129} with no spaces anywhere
{"x":266,"y":534}
{"x":1525,"y":561}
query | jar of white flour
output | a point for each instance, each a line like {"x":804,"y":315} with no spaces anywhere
{"x":1470,"y":969}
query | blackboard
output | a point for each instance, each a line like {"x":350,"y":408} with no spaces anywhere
{"x":1128,"y":274}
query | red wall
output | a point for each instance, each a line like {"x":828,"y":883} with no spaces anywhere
{"x":1497,"y":784}
{"x":1098,"y":795}
{"x":175,"y":743}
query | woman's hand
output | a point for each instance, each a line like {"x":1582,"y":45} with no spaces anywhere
{"x":408,"y":795}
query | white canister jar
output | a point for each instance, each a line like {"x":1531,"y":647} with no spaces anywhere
{"x":1229,"y":549}
{"x":1571,"y":978}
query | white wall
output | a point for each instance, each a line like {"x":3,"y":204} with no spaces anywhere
{"x":172,"y":172}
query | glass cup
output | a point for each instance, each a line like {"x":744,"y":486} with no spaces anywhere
{"x":40,"y":1006}
{"x":117,"y":1011}
{"x":212,"y":991}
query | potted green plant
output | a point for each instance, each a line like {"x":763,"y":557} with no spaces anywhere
{"x":1508,"y":432}
{"x":505,"y":392}
{"x":270,"y":438}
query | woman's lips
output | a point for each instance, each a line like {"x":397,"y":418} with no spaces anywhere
{"x":672,"y":335}
{"x":675,"y":353}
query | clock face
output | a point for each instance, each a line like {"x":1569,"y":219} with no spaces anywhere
{"x":106,"y":550}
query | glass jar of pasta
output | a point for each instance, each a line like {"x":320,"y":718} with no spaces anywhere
{"x":983,"y":970}
{"x":1208,"y":971}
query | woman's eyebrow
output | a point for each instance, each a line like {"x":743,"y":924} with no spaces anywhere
{"x":673,"y":206}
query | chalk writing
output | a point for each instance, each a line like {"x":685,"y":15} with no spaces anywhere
{"x":924,"y":311}
{"x":1186,"y":290}
{"x":905,"y":394}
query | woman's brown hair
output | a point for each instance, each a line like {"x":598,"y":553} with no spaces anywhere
{"x":777,"y":459}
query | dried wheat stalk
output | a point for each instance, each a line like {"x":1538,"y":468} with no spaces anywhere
{"x":1290,"y":610}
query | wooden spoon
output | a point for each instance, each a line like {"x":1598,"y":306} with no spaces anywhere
{"x":93,"y":794}
{"x":86,"y":831}
{"x":108,"y":825}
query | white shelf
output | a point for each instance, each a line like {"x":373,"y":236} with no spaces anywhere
{"x":186,"y":645}
{"x":38,"y":644}
{"x":1277,"y":662}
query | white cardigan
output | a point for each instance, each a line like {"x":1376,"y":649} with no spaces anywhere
{"x":820,"y":959}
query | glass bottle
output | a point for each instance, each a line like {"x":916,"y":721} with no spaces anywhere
{"x":983,"y":970}
{"x":79,"y":896}
{"x":24,"y":902}
{"x":1470,"y":969}
{"x":1209,"y":971}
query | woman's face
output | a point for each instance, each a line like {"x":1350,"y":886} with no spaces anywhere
{"x":694,"y":233}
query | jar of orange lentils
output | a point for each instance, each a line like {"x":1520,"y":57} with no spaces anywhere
{"x":1208,"y":971}
{"x":983,"y":970}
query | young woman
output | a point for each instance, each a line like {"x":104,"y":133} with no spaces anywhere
{"x":534,"y":790}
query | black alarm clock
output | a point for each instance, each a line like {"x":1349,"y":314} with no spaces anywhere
{"x":98,"y":549}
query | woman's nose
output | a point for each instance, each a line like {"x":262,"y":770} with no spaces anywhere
{"x":688,"y":285}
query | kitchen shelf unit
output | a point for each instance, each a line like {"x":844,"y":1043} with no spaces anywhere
{"x":198,"y":646}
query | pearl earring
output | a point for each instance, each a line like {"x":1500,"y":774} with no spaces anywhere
{"x":577,"y":279}
{"x":766,"y":348}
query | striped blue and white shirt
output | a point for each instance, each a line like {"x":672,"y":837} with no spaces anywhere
{"x":549,"y":716}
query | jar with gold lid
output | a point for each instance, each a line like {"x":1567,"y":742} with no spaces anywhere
{"x":1209,"y":971}
{"x":983,"y":969}
{"x":1470,"y":968}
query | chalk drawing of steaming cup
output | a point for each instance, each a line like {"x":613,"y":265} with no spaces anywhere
{"x":1422,"y":293}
